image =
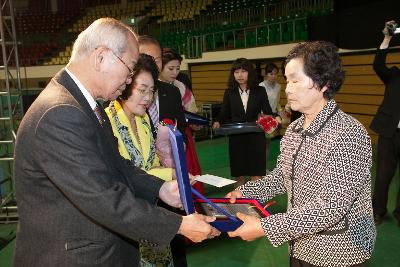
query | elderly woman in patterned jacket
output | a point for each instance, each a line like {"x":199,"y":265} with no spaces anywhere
{"x":323,"y":166}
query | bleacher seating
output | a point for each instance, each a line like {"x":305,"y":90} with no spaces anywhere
{"x":223,"y":24}
{"x":38,"y":28}
{"x":240,"y":35}
{"x":244,"y":23}
{"x":42,"y":22}
{"x":61,"y":58}
{"x":172,"y":10}
{"x":117,"y":11}
{"x":31,"y":55}
{"x":229,"y":5}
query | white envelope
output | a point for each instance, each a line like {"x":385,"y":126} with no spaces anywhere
{"x":214,"y":180}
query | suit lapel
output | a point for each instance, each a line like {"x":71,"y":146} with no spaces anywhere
{"x":65,"y":80}
{"x":162,"y":100}
{"x":105,"y":130}
{"x":251,"y":102}
{"x":153,"y":129}
{"x":107,"y":142}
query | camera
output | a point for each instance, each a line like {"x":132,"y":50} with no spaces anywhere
{"x":393,"y":28}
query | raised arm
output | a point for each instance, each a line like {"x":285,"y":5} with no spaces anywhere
{"x":380,"y":58}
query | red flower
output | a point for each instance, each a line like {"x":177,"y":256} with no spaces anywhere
{"x":167,"y":122}
{"x":267,"y":123}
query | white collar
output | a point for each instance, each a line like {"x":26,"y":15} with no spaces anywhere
{"x":89,"y":98}
{"x":241,"y":91}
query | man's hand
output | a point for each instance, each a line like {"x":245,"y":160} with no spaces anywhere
{"x":387,"y":37}
{"x":234,"y":195}
{"x":385,"y":30}
{"x":169,"y":193}
{"x":251,"y":228}
{"x":196,"y":227}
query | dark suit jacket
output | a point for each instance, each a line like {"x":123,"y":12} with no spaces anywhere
{"x":170,"y":104}
{"x":79,"y":202}
{"x":387,"y":118}
{"x":232,"y":109}
{"x":247,"y":155}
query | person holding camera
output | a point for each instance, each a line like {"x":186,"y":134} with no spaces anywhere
{"x":387,"y":124}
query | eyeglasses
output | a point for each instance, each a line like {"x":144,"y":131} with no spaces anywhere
{"x":129,"y":69}
{"x":144,"y":92}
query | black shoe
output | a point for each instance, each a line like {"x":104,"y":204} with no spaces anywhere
{"x":378,"y":219}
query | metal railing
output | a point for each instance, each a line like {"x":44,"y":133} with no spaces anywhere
{"x":10,"y":109}
{"x":266,"y":34}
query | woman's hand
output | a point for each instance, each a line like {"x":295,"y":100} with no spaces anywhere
{"x":192,"y":179}
{"x":216,"y":125}
{"x":234,"y":195}
{"x":250,"y":230}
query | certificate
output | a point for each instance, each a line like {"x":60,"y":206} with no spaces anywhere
{"x":214,"y":180}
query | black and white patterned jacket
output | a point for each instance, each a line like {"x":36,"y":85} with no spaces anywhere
{"x":325,"y":170}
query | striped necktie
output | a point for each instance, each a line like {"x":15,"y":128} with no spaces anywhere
{"x":153,"y":112}
{"x":97,"y":111}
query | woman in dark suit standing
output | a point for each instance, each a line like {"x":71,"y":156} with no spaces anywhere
{"x":243,"y":101}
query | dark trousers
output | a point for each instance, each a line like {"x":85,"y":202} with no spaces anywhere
{"x":178,"y":251}
{"x":178,"y":243}
{"x":299,"y":263}
{"x":387,"y":161}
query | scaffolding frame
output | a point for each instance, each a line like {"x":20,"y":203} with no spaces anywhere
{"x":11,"y":109}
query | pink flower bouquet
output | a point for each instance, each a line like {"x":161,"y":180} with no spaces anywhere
{"x":163,"y":144}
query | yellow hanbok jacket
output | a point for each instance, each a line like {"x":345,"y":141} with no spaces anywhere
{"x":144,"y":136}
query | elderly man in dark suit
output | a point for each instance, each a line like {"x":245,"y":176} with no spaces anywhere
{"x":387,"y":124}
{"x":80,"y":203}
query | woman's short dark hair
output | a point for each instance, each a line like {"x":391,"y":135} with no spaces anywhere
{"x":145,"y":63}
{"x":242,"y":63}
{"x":321,"y":63}
{"x":270,"y":67}
{"x":169,"y":54}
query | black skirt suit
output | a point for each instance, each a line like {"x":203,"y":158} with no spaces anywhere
{"x":247,"y":152}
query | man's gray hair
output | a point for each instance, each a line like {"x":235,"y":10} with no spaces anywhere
{"x":107,"y":32}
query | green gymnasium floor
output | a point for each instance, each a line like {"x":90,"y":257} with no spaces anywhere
{"x":224,"y":252}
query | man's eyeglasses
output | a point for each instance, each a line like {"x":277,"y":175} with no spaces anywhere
{"x":120,"y":59}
